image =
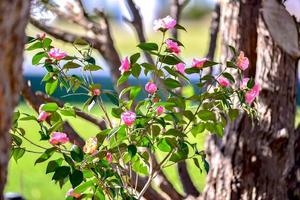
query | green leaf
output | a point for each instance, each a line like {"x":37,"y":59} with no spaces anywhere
{"x":113,"y":97}
{"x":135,"y":90}
{"x":80,"y":41}
{"x":170,"y":60}
{"x":178,"y":26}
{"x":69,"y":160}
{"x":192,"y":70}
{"x":116,"y":112}
{"x":230,"y":64}
{"x":36,"y":45}
{"x":228,"y":76}
{"x":219,"y":129}
{"x":71,"y":65}
{"x":251,"y":83}
{"x":136,"y":70}
{"x":170,"y":71}
{"x":134,"y":58}
{"x":205,"y":164}
{"x":53,"y":165}
{"x":148,"y":66}
{"x":91,"y":67}
{"x":61,"y":173}
{"x":50,"y":107}
{"x":181,"y":153}
{"x":76,"y":153}
{"x":16,"y":139}
{"x":76,"y":178}
{"x":164,"y":146}
{"x":84,"y":186}
{"x":148,"y":46}
{"x":30,"y":39}
{"x":90,"y":60}
{"x":199,"y":128}
{"x":51,"y":86}
{"x":132,"y":150}
{"x":68,"y":111}
{"x":38,"y":57}
{"x":46,"y":155}
{"x":233,"y":114}
{"x":175,"y":133}
{"x":196,"y":162}
{"x":123,"y":78}
{"x":172,"y":83}
{"x":233,"y":50}
{"x":47,"y":42}
{"x":210,"y":64}
{"x":18,"y":153}
{"x":206,"y":115}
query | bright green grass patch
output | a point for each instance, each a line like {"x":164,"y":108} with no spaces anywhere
{"x":34,"y":184}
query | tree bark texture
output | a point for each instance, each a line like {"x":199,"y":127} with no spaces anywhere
{"x":13,"y":20}
{"x":253,"y":160}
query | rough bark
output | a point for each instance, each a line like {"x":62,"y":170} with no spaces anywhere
{"x":254,"y":159}
{"x":13,"y":20}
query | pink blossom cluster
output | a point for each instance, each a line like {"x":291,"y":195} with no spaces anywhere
{"x":58,"y":138}
{"x":164,"y":24}
{"x":56,"y":54}
{"x":128,"y":117}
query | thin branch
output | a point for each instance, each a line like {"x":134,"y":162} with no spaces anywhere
{"x":137,"y":23}
{"x":176,"y":9}
{"x":166,"y":186}
{"x":188,"y":186}
{"x":150,"y":194}
{"x":59,"y":34}
{"x":82,"y":8}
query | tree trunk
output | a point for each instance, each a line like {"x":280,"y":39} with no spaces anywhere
{"x":253,"y":160}
{"x":13,"y":20}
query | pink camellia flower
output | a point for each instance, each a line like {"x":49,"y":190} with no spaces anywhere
{"x":180,"y":67}
{"x":252,"y":94}
{"x":96,"y":92}
{"x":243,"y":83}
{"x":128,"y":117}
{"x":43,"y":116}
{"x":160,"y":110}
{"x":71,"y":193}
{"x":58,"y":138}
{"x":150,"y":87}
{"x":165,"y":23}
{"x":109,"y":157}
{"x":57,"y":54}
{"x":242,"y":62}
{"x":224,"y":82}
{"x":125,"y":65}
{"x":198,"y":63}
{"x":91,"y":145}
{"x":172,"y":46}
